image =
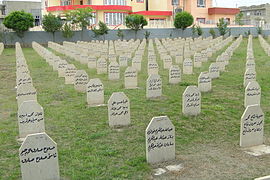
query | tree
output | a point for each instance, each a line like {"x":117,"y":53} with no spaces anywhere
{"x":102,"y":31}
{"x":238,"y":18}
{"x":80,"y":17}
{"x":147,"y":35}
{"x":222,"y":27}
{"x":120,"y":34}
{"x":135,"y":22}
{"x":67,"y":31}
{"x":199,"y":30}
{"x":51,"y":24}
{"x":193,"y":29}
{"x":183,"y":20}
{"x":19,"y":21}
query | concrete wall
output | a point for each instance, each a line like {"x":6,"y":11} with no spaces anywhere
{"x":44,"y":37}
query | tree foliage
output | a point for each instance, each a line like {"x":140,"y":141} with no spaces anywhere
{"x":80,"y":16}
{"x":51,"y":23}
{"x":135,"y":22}
{"x":238,"y":18}
{"x":199,"y":30}
{"x":120,"y":34}
{"x":67,"y":31}
{"x":222,"y":27}
{"x":102,"y":30}
{"x":212,"y":32}
{"x":19,"y":21}
{"x":183,"y":20}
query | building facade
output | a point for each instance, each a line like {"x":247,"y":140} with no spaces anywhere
{"x":257,"y":15}
{"x":159,"y":13}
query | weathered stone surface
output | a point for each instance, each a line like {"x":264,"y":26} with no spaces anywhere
{"x":95,"y":92}
{"x":250,"y":75}
{"x":191,"y":105}
{"x":204,"y":82}
{"x":81,"y":80}
{"x":131,"y":81}
{"x":114,"y":71}
{"x":153,"y":86}
{"x":160,"y":140}
{"x":70,"y":74}
{"x":214,"y":71}
{"x":101,"y":66}
{"x":252,"y":94}
{"x":187,"y":66}
{"x":26,"y":92}
{"x":174,"y":75}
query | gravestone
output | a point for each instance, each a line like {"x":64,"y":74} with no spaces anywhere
{"x":197,"y":60}
{"x":30,"y":118}
{"x":114,"y":71}
{"x":187,"y":66}
{"x":191,"y":101}
{"x":250,"y":64}
{"x":95,"y":92}
{"x":178,"y":58}
{"x":119,"y":110}
{"x":26,"y":92}
{"x":252,"y":122}
{"x":160,"y":140}
{"x":167,"y":62}
{"x":152,"y":68}
{"x":123,"y":61}
{"x":101,"y":66}
{"x":70,"y":74}
{"x":204,"y":82}
{"x":81,"y":80}
{"x":250,"y":75}
{"x":24,"y":78}
{"x":252,"y":94}
{"x":39,"y":158}
{"x":137,"y":63}
{"x":174,"y":75}
{"x":131,"y":78}
{"x":153,"y":86}
{"x":92,"y":62}
{"x":62,"y":65}
{"x":214,"y":71}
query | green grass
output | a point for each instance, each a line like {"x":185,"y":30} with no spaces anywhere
{"x":89,"y":149}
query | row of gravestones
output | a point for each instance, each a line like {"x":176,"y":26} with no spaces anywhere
{"x":1,"y":48}
{"x":252,"y":120}
{"x":38,"y":153}
{"x":265,"y":45}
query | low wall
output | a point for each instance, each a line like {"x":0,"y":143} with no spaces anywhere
{"x":43,"y":37}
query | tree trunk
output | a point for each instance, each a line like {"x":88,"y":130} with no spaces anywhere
{"x":53,"y":36}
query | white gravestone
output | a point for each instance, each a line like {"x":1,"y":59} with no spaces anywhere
{"x":250,"y":75}
{"x":160,"y":140}
{"x":204,"y":82}
{"x":167,"y":62}
{"x":250,"y":64}
{"x":137,"y":63}
{"x":197,"y":60}
{"x":119,"y":110}
{"x":131,"y":78}
{"x":30,"y":118}
{"x":92,"y":62}
{"x":81,"y":80}
{"x":153,"y":86}
{"x":62,"y":65}
{"x":252,"y":94}
{"x":179,"y":58}
{"x":123,"y":61}
{"x":187,"y":66}
{"x":252,"y":122}
{"x":214,"y":71}
{"x":24,"y":79}
{"x":95,"y":92}
{"x":174,"y":75}
{"x":70,"y":74}
{"x":152,"y":68}
{"x":191,"y":101}
{"x":114,"y":71}
{"x":26,"y":92}
{"x":39,"y":158}
{"x":101,"y":66}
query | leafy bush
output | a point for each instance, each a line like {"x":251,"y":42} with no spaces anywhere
{"x":120,"y":34}
{"x":212,"y":32}
{"x":19,"y":21}
{"x":67,"y":31}
{"x":135,"y":22}
{"x":103,"y":29}
{"x":199,"y":30}
{"x":51,"y":24}
{"x":222,"y":27}
{"x":259,"y":30}
{"x":183,"y":20}
{"x":147,"y":35}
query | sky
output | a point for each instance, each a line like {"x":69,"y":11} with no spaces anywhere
{"x":237,"y":3}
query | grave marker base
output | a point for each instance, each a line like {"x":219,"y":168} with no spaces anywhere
{"x":257,"y":150}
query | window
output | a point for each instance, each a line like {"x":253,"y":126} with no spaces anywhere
{"x":89,"y":2}
{"x":114,"y":19}
{"x":200,"y":3}
{"x":93,"y":20}
{"x":140,"y":1}
{"x":257,"y":13}
{"x":65,"y":2}
{"x":115,"y":2}
{"x":201,"y":20}
{"x":175,"y":2}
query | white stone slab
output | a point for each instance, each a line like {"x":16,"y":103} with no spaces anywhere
{"x":70,"y":74}
{"x":264,"y":177}
{"x":123,"y":61}
{"x":174,"y":75}
{"x":250,"y":75}
{"x":95,"y":92}
{"x":152,"y":68}
{"x":187,"y":66}
{"x":154,"y":86}
{"x":101,"y":66}
{"x":118,"y":110}
{"x":214,"y":71}
{"x":252,"y":122}
{"x":131,"y":81}
{"x":137,"y":63}
{"x":257,"y":150}
{"x":62,"y":65}
{"x":197,"y":59}
{"x":81,"y":80}
{"x":160,"y":140}
{"x":204,"y":82}
{"x":252,"y":94}
{"x":26,"y":92}
{"x":39,"y":158}
{"x":114,"y":71}
{"x":191,"y":101}
{"x":167,"y":62}
{"x":92,"y":62}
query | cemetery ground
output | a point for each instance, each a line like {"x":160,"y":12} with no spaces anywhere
{"x":206,"y":145}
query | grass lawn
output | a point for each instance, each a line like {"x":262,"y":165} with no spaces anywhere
{"x":207,"y":145}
